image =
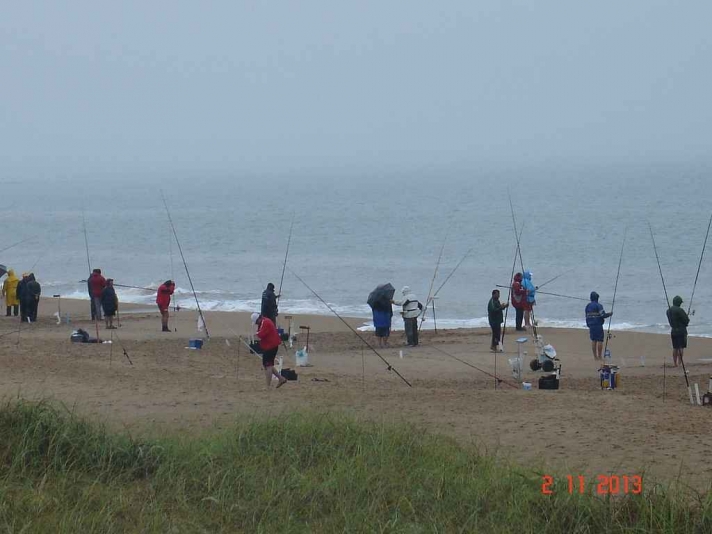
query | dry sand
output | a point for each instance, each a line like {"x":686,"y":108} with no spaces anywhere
{"x":579,"y":429}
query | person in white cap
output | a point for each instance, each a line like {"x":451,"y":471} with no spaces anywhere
{"x":411,"y":311}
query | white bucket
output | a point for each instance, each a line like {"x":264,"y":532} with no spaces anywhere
{"x":526,"y":386}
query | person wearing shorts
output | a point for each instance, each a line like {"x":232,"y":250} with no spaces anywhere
{"x":163,"y":300}
{"x":678,"y":319}
{"x":269,"y":345}
{"x":382,"y":323}
{"x":595,"y":317}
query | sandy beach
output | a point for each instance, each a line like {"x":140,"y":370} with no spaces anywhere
{"x":579,"y":429}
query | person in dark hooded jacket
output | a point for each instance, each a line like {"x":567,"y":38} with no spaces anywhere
{"x":269,"y":303}
{"x":678,"y":319}
{"x":109,"y":303}
{"x":33,"y":291}
{"x":595,"y":317}
{"x":21,"y":293}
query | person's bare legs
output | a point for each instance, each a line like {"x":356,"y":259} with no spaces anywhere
{"x":593,"y":349}
{"x":527,"y":318}
{"x":270,"y":372}
{"x":164,"y":320}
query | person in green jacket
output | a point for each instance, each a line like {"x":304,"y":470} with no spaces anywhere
{"x":496,"y":318}
{"x":678,"y":319}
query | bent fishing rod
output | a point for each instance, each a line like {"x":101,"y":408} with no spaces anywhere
{"x":667,"y":300}
{"x":185,"y":264}
{"x":451,"y":273}
{"x":86,"y":244}
{"x":699,"y":265}
{"x":615,"y":290}
{"x":432,"y":282}
{"x":286,"y":255}
{"x":389,"y":366}
{"x":555,"y":278}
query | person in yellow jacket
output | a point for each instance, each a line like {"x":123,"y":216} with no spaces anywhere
{"x":9,"y":292}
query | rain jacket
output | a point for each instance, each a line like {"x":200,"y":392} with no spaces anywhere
{"x":494,"y":312}
{"x":529,"y":287}
{"x":269,"y":304}
{"x":519,"y":294}
{"x":163,"y":296}
{"x":678,"y":318}
{"x":33,"y":288}
{"x":269,"y":337}
{"x":595,"y":314}
{"x":9,"y":289}
{"x":109,"y":300}
{"x":97,"y":283}
{"x":22,"y":289}
{"x":411,"y":307}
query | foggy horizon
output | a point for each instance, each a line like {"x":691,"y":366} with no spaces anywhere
{"x":292,"y":89}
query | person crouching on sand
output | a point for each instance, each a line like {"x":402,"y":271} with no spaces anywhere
{"x":678,"y":319}
{"x":496,"y":318}
{"x":163,"y":299}
{"x":595,"y":317}
{"x":269,"y":345}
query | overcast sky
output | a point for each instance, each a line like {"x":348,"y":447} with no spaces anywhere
{"x":288,"y":86}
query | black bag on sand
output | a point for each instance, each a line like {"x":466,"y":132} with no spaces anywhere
{"x":289,"y":374}
{"x":549,"y":382}
{"x":80,"y":336}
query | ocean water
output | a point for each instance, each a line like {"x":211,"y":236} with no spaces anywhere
{"x":356,"y":230}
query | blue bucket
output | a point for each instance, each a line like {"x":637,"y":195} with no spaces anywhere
{"x":195,"y":343}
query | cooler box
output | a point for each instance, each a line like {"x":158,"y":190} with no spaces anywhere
{"x":549,"y":382}
{"x":195,"y":343}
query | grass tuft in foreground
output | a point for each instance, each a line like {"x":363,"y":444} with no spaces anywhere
{"x":300,"y":473}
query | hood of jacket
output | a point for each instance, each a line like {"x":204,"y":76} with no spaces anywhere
{"x":31,"y":278}
{"x":527,"y":275}
{"x":594,"y":296}
{"x":11,"y":275}
{"x":518,"y":277}
{"x":677,"y":301}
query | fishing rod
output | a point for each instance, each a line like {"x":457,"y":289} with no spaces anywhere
{"x":551,"y":294}
{"x":91,"y":296}
{"x":286,"y":255}
{"x":699,"y":265}
{"x":170,"y":256}
{"x":390,"y":367}
{"x":667,"y":300}
{"x":499,"y":380}
{"x":615,"y":290}
{"x":432,"y":282}
{"x":185,"y":264}
{"x":15,"y":244}
{"x":509,"y":287}
{"x":521,"y":261}
{"x":126,"y":286}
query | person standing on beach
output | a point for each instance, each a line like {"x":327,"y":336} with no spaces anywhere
{"x":382,"y":317}
{"x":411,"y":311}
{"x":678,"y":319}
{"x":531,"y":297}
{"x":97,"y":283}
{"x":9,"y":292}
{"x":269,"y":345}
{"x":33,"y":290}
{"x":595,"y":317}
{"x":109,"y":303}
{"x":269,"y":304}
{"x":519,"y":300}
{"x":91,"y":298}
{"x":496,"y":318}
{"x":163,"y":299}
{"x":21,"y":293}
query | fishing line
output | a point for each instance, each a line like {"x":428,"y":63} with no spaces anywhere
{"x":499,"y":380}
{"x":390,"y":367}
{"x":432,"y":282}
{"x":551,"y":294}
{"x":15,"y":244}
{"x":555,"y":278}
{"x":452,"y":272}
{"x":521,"y":261}
{"x":509,"y":292}
{"x":86,"y":244}
{"x":187,"y":272}
{"x":615,"y":290}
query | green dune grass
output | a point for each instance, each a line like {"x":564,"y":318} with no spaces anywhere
{"x":299,"y":473}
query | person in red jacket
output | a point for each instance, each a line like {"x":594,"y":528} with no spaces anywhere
{"x":269,"y":345}
{"x":163,"y":299}
{"x":97,"y":283}
{"x":519,"y":300}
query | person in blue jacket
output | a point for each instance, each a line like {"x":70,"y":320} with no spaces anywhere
{"x":528,"y":286}
{"x":595,"y":317}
